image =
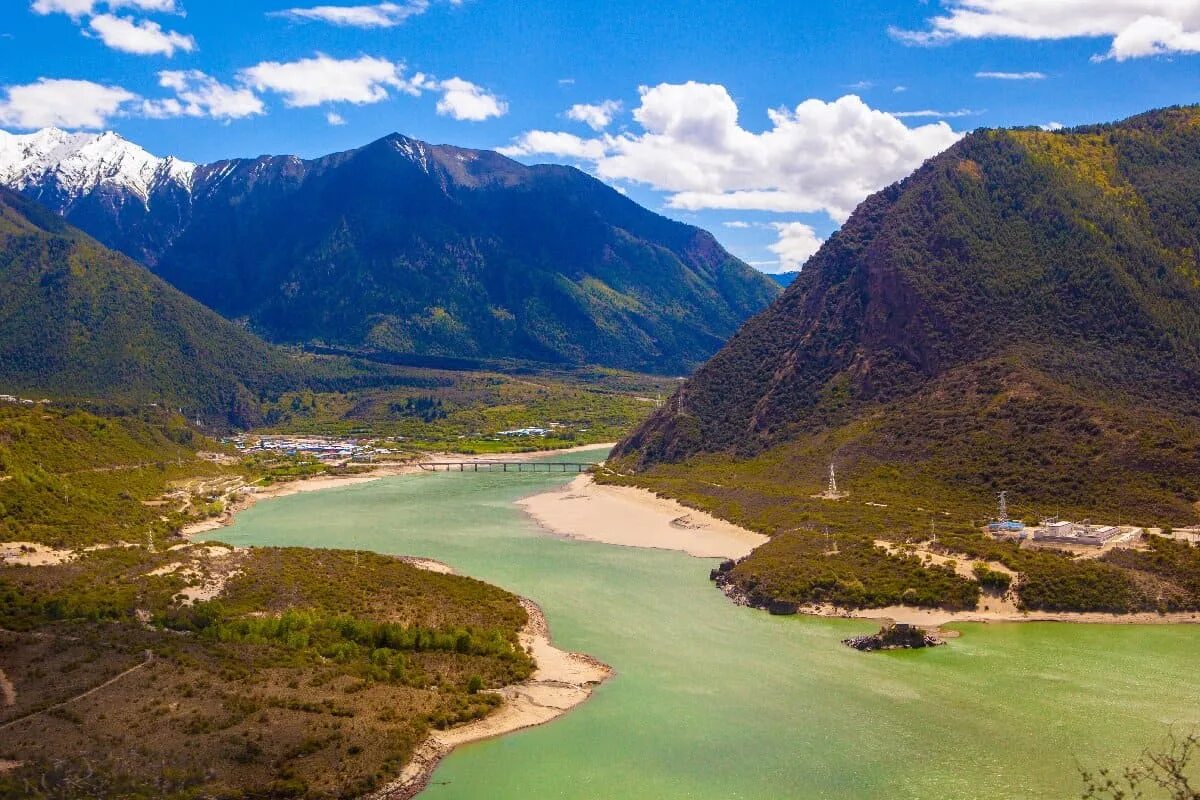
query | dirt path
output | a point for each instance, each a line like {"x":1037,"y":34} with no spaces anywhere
{"x":148,"y":658}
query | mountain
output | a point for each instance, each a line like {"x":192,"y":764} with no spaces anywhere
{"x":1021,"y":314}
{"x":79,"y":320}
{"x":405,"y":247}
{"x":784,"y":279}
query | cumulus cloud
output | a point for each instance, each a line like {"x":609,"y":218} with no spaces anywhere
{"x":334,"y":118}
{"x":142,"y":38}
{"x":463,"y":100}
{"x":1136,"y":28}
{"x":380,"y":15}
{"x":596,"y":116}
{"x":199,"y":95}
{"x":63,"y":103}
{"x":557,"y":143}
{"x":82,"y":8}
{"x":321,"y":79}
{"x":1052,"y":126}
{"x":797,"y":242}
{"x":819,"y":156}
{"x":1012,"y":76}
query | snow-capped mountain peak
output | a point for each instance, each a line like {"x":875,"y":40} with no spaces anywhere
{"x":79,"y":163}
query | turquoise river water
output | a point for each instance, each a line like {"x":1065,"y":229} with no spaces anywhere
{"x":715,"y":701}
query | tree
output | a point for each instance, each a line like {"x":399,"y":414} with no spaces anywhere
{"x":1170,"y":771}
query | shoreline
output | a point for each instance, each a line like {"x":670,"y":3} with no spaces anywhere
{"x":561,"y":681}
{"x":633,"y":517}
{"x":317,"y":483}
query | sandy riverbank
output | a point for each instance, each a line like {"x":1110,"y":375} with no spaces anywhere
{"x":251,"y":495}
{"x":561,"y":681}
{"x":633,"y":517}
{"x":623,"y":515}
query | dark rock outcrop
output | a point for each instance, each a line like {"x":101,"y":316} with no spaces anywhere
{"x":894,"y":636}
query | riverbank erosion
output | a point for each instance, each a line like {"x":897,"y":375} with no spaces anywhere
{"x":623,"y":515}
{"x":561,"y":681}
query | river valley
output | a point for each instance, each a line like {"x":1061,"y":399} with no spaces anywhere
{"x":711,"y":700}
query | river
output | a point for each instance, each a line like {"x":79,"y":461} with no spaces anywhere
{"x":715,"y":701}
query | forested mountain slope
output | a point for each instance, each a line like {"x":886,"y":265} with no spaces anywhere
{"x":405,"y":247}
{"x":1022,"y":314}
{"x":79,"y":320}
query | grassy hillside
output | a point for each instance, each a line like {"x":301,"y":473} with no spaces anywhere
{"x":255,"y":673}
{"x":79,"y":320}
{"x":1022,"y":314}
{"x":427,"y":409}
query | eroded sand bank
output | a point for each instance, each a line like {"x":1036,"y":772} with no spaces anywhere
{"x":623,"y":515}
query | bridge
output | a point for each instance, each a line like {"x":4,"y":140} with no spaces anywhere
{"x":507,"y":466}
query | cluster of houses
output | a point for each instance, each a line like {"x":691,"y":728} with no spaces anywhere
{"x":324,"y":448}
{"x":9,"y":398}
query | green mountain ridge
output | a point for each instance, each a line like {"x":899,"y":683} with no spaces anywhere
{"x":403,"y":248}
{"x":78,"y":320}
{"x":1022,"y":314}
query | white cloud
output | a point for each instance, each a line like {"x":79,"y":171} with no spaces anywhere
{"x":932,"y":114}
{"x":334,"y":118}
{"x":737,"y":223}
{"x":198,"y":95}
{"x":321,"y":79}
{"x":75,"y":8}
{"x":557,"y":143}
{"x":81,"y":8}
{"x":62,"y":103}
{"x":1012,"y":76}
{"x":143,"y":38}
{"x":366,"y":79}
{"x":464,"y":100}
{"x":380,"y":15}
{"x":597,"y":116}
{"x":1052,"y":126}
{"x":796,"y":243}
{"x":819,"y":156}
{"x":1136,"y":27}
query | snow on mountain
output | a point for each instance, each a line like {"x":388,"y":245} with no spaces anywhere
{"x":79,"y":163}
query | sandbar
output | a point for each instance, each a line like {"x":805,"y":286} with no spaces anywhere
{"x":624,"y":515}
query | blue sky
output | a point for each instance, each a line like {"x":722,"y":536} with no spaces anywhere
{"x":677,"y":94}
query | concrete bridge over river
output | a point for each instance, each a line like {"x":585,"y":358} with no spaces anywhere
{"x":507,"y":466}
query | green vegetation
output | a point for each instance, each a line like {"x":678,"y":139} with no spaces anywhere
{"x":466,"y":411}
{"x":78,"y":320}
{"x":72,"y":478}
{"x":1020,"y":314}
{"x":267,"y":672}
{"x":305,"y":658}
{"x":449,"y":255}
